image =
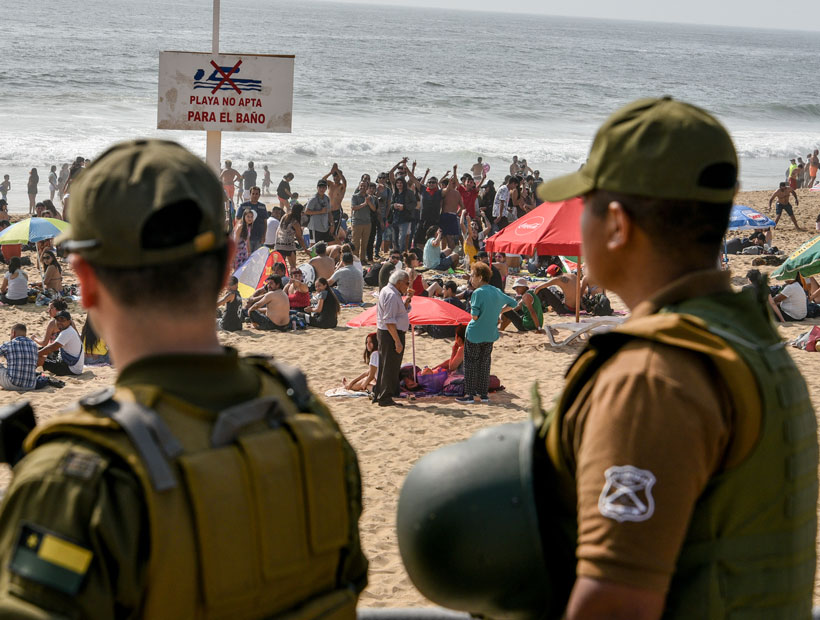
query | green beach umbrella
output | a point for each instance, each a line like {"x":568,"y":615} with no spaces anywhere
{"x":805,"y":259}
{"x":32,"y":229}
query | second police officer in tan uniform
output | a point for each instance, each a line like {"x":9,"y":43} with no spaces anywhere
{"x":676,"y":476}
{"x":202,"y":485}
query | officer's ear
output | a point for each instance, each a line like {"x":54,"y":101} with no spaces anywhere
{"x":89,"y":284}
{"x":618,"y":227}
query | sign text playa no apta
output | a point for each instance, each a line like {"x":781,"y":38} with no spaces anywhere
{"x":225,"y":92}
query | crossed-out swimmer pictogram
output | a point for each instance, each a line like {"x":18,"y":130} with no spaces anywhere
{"x":226,"y":77}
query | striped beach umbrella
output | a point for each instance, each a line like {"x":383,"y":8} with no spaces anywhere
{"x":32,"y":230}
{"x":805,"y":260}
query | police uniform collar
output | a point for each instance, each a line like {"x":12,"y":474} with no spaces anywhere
{"x":212,"y":382}
{"x":695,"y":284}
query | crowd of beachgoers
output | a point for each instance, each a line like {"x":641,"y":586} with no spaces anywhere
{"x":337,"y":245}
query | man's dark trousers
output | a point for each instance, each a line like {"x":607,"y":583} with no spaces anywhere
{"x":387,"y":379}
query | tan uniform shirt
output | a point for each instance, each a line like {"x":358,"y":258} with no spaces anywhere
{"x":643,"y":440}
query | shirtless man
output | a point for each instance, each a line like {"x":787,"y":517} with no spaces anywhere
{"x":323,"y":265}
{"x":477,"y":169}
{"x":782,"y":194}
{"x":814,"y":165}
{"x":272,"y":310}
{"x":229,"y":176}
{"x":567,"y":283}
{"x":514,"y":166}
{"x":451,"y":207}
{"x":336,"y":188}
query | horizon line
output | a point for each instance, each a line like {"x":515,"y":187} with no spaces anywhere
{"x":568,"y":16}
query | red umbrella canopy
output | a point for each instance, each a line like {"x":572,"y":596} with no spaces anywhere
{"x":552,"y":228}
{"x":423,"y":311}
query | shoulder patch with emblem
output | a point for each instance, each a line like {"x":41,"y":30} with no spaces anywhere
{"x":50,"y":559}
{"x":627,"y":494}
{"x":82,"y":465}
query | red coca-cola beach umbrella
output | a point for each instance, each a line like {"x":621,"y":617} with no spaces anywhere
{"x":552,"y":228}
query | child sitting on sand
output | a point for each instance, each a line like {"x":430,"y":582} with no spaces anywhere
{"x":363,"y":382}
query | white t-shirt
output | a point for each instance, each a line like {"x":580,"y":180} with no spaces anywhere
{"x":18,"y":286}
{"x":374,"y":359}
{"x":795,"y":304}
{"x":73,"y":347}
{"x":270,"y":233}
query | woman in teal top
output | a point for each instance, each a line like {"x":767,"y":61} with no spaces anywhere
{"x":482,"y":331}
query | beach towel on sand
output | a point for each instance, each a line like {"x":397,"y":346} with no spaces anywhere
{"x":344,"y":392}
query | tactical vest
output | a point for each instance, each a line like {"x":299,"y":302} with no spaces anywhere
{"x":253,"y":513}
{"x":750,"y":548}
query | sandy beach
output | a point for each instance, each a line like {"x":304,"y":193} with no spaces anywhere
{"x":388,"y":441}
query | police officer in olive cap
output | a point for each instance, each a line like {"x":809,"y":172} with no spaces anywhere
{"x":676,"y":474}
{"x":202,"y":484}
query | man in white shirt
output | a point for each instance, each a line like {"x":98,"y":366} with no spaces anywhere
{"x":792,"y":302}
{"x":273,"y":226}
{"x":392,"y":322}
{"x":502,"y":206}
{"x":69,"y":347}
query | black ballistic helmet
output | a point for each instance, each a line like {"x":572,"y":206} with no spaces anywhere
{"x":468,"y":527}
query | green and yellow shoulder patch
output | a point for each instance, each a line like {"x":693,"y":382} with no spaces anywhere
{"x":50,"y":559}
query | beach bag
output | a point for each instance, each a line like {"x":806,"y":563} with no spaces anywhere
{"x":453,"y":386}
{"x":812,"y":310}
{"x":814,"y":336}
{"x":432,"y":383}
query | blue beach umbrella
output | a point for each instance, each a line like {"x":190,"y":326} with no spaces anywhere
{"x":745,"y":218}
{"x":32,"y":230}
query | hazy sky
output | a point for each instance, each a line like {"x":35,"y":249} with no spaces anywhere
{"x":752,"y":13}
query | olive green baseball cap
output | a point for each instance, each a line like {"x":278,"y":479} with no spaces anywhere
{"x":142,"y":203}
{"x":656,"y":148}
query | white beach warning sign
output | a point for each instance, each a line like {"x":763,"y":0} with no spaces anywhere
{"x":225,"y":92}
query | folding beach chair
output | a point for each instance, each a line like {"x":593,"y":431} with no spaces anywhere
{"x":583,"y":330}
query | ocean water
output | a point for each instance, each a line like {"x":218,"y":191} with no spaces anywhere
{"x":373,"y":84}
